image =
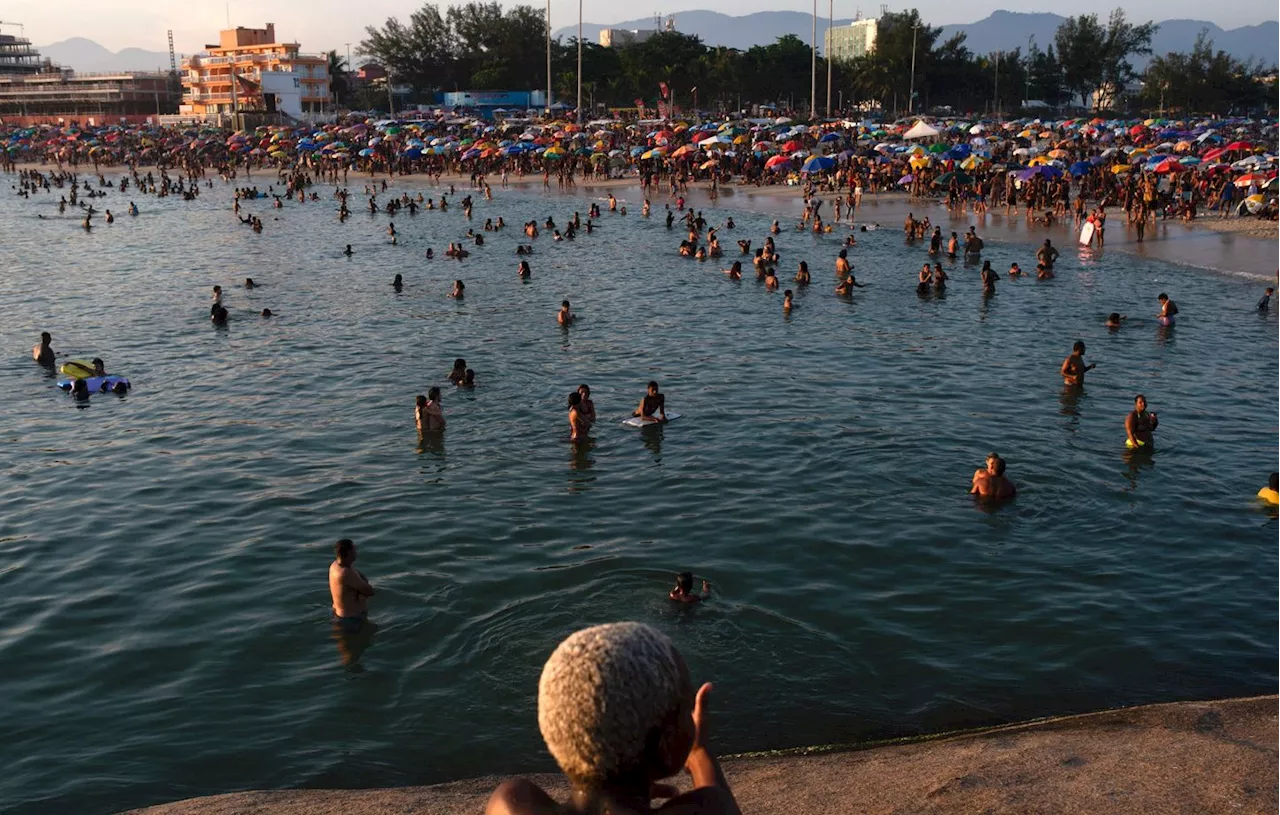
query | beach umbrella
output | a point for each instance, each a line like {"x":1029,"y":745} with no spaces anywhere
{"x":1189,"y":161}
{"x":776,"y":162}
{"x":818,"y":164}
{"x":945,"y":179}
{"x":366,"y":152}
{"x":1249,"y":179}
{"x":906,"y":179}
{"x":1121,"y":168}
{"x":1080,"y":168}
{"x":1239,"y":145}
{"x":830,"y":137}
{"x":683,"y":150}
{"x":792,"y":146}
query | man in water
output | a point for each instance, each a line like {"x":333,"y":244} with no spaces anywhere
{"x":1139,"y":425}
{"x":653,"y":405}
{"x":1047,"y":254}
{"x":684,"y":593}
{"x":1168,"y":310}
{"x":564,"y":316}
{"x":618,"y":712}
{"x":990,"y":483}
{"x":349,"y":588}
{"x":1073,"y":367}
{"x":988,"y":279}
{"x":43,"y":353}
{"x":1265,"y":303}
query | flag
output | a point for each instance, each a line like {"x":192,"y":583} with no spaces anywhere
{"x":662,"y":86}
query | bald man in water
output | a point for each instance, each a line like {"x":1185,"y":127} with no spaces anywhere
{"x":349,"y":589}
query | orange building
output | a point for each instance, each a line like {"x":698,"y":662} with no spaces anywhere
{"x":248,"y":54}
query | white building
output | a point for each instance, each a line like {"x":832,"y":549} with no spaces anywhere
{"x":622,"y":37}
{"x":848,"y":42}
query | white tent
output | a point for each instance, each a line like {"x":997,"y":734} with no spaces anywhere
{"x":920,"y":131}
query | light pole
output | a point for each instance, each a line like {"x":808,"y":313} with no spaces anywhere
{"x":579,"y":108}
{"x":831,"y":11}
{"x":911,"y":98}
{"x":995,"y":103}
{"x":548,"y":99}
{"x":1030,"y":44}
{"x":813,"y":70}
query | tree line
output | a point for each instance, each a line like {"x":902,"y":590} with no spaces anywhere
{"x":481,"y":46}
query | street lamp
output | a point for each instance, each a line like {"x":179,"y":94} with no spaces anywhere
{"x":579,"y":108}
{"x":548,"y":99}
{"x":813,"y":71}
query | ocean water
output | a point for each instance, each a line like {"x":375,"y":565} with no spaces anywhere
{"x":164,"y":612}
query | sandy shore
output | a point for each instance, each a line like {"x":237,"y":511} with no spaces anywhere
{"x":1185,"y":757}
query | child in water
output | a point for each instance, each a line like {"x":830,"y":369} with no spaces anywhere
{"x":684,"y":593}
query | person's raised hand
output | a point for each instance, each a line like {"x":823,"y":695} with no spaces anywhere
{"x":701,"y":715}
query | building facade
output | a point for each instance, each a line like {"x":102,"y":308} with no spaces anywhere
{"x":107,"y":95}
{"x":17,"y":56}
{"x":849,"y":42}
{"x":249,"y":70}
{"x":622,"y":37}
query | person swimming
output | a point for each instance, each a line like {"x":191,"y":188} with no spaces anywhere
{"x":397,"y":283}
{"x":564,"y":316}
{"x":1115,"y":319}
{"x":586,"y":407}
{"x":459,"y":288}
{"x":787,"y":303}
{"x":468,"y":379}
{"x":1168,"y":315}
{"x":459,"y":370}
{"x":348,"y":251}
{"x":734,"y":272}
{"x":266,"y":312}
{"x":578,"y":425}
{"x":523,"y":270}
{"x":1271,"y":492}
{"x":653,"y":405}
{"x":684,"y":593}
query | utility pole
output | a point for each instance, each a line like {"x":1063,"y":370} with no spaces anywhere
{"x":579,"y":108}
{"x":995,"y":103}
{"x":813,"y":70}
{"x":831,"y":19}
{"x":548,"y":99}
{"x":1030,"y":44}
{"x":391,"y":99}
{"x":911,"y":99}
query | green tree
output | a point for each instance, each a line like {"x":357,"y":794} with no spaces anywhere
{"x":339,"y":78}
{"x":1079,"y":41}
{"x":421,"y":54}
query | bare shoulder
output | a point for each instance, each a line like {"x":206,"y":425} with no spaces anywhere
{"x":520,"y":796}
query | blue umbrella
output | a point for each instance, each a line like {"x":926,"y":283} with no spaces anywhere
{"x":1080,"y":168}
{"x":830,"y":137}
{"x":818,"y":164}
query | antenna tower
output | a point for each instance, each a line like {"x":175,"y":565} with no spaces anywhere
{"x":173,"y":62}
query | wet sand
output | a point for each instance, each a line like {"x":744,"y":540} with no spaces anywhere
{"x":1185,"y":757}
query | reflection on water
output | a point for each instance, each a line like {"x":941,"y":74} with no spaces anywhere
{"x":353,"y":643}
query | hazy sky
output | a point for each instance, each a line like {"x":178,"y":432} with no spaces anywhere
{"x":323,"y":24}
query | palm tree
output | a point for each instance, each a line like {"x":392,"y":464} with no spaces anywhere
{"x":339,"y":77}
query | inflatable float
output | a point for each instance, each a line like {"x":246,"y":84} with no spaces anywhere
{"x":97,"y":384}
{"x":645,"y":421}
{"x":77,"y":369}
{"x":1142,"y":445}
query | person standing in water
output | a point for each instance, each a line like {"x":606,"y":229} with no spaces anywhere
{"x":427,"y":412}
{"x":1073,"y":367}
{"x":43,"y":353}
{"x":1168,"y":315}
{"x":565,"y":316}
{"x":1140,"y":425}
{"x":990,"y":483}
{"x":349,"y":588}
{"x":578,"y":424}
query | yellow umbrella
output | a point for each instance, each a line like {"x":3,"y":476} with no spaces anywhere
{"x":1026,"y":134}
{"x":707,"y":165}
{"x":971,"y":162}
{"x":1182,"y":147}
{"x":919,"y":161}
{"x":683,"y":150}
{"x":1037,"y":161}
{"x":554,"y":151}
{"x":1057,"y":154}
{"x":1121,"y":168}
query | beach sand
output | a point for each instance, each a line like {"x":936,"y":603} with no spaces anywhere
{"x":1185,"y":757}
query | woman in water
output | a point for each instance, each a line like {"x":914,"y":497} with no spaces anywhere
{"x":427,"y":412}
{"x":458,"y":289}
{"x":523,"y":270}
{"x":459,"y":371}
{"x":787,"y":303}
{"x":926,"y":279}
{"x":735,"y":271}
{"x":1168,"y":315}
{"x":586,"y":407}
{"x":578,"y":425}
{"x":802,"y":274}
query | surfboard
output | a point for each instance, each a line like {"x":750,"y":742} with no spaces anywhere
{"x":640,"y":421}
{"x":1086,"y":233}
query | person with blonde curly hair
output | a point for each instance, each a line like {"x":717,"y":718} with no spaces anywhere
{"x":617,"y":711}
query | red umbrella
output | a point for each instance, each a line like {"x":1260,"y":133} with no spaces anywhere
{"x":1239,"y":145}
{"x":1214,"y":153}
{"x":792,"y":146}
{"x":1252,"y":178}
{"x":1168,"y":166}
{"x":1137,"y":130}
{"x":777,"y":161}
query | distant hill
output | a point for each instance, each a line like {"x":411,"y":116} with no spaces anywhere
{"x":1003,"y":30}
{"x":87,"y":56}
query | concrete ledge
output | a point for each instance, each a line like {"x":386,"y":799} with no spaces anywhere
{"x":1184,"y":757}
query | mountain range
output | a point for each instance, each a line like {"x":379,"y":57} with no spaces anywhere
{"x":1003,"y":30}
